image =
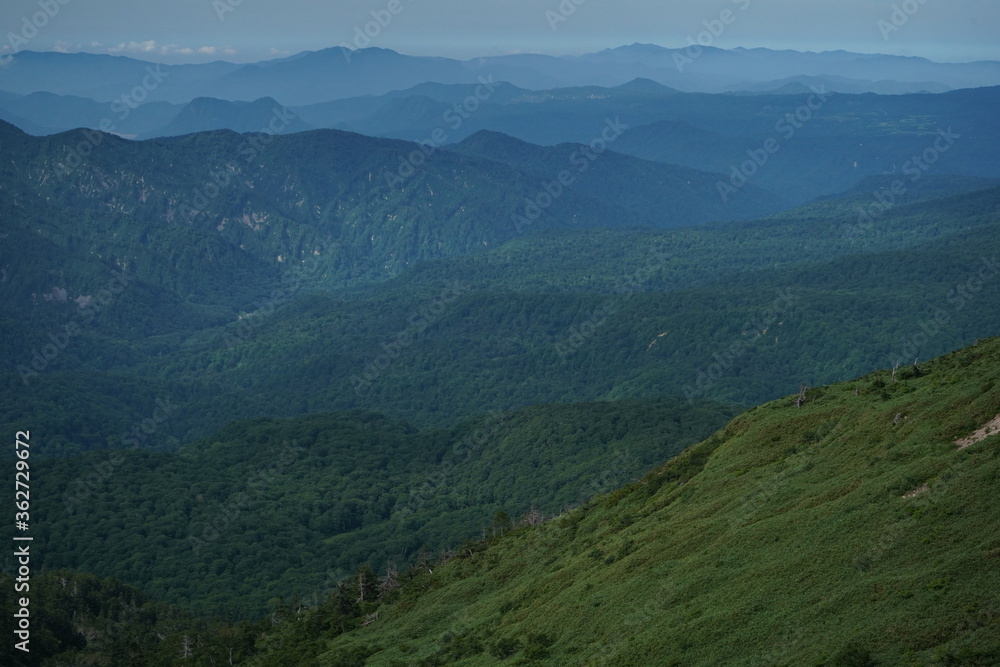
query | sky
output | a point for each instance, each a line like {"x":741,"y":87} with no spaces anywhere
{"x":194,"y":31}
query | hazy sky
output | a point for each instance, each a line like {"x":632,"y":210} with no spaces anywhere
{"x":175,"y":31}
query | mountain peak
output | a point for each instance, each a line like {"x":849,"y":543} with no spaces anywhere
{"x":645,"y":85}
{"x":10,"y":129}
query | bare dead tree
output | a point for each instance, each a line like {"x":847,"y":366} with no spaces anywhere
{"x":894,"y":369}
{"x":186,"y":647}
{"x":364,"y":586}
{"x":423,"y":561}
{"x":390,"y":581}
{"x":800,"y":401}
{"x":899,"y":418}
{"x":533,"y":517}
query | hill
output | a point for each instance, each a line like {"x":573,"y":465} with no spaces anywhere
{"x":204,"y":114}
{"x":257,"y":204}
{"x":582,"y":315}
{"x":808,"y":141}
{"x":269,"y":508}
{"x":579,"y":312}
{"x":657,"y":192}
{"x":852,"y":525}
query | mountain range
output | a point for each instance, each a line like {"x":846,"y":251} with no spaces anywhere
{"x":845,"y":525}
{"x":647,"y":356}
{"x":802,"y":141}
{"x":337,"y":73}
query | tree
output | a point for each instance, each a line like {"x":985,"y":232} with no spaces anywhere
{"x":532,"y":517}
{"x":389,"y":582}
{"x":501,"y":523}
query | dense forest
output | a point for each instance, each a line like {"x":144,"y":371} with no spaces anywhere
{"x":270,"y":509}
{"x":864,"y":496}
{"x":317,"y":397}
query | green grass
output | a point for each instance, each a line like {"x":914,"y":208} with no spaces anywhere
{"x":784,"y":539}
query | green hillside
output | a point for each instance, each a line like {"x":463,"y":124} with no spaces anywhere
{"x":318,"y":397}
{"x":596,"y":334}
{"x":268,"y":508}
{"x":552,"y":317}
{"x":848,"y":530}
{"x":662,"y":194}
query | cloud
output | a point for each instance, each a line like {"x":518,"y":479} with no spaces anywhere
{"x":62,"y":47}
{"x":148,"y":46}
{"x":152,"y":47}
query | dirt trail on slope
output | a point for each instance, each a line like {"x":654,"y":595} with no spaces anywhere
{"x":981,"y":434}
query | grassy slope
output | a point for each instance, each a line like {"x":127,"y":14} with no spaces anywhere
{"x":783,"y":539}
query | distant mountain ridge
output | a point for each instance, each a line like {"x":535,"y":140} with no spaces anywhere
{"x":299,"y":192}
{"x":838,"y":84}
{"x":204,"y":114}
{"x":330,"y":74}
{"x":656,"y":191}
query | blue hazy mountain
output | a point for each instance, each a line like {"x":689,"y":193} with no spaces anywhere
{"x":337,"y":73}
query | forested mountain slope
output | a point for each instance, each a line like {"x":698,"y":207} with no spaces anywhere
{"x":849,"y":525}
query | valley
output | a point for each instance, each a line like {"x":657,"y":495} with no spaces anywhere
{"x":533,"y":359}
